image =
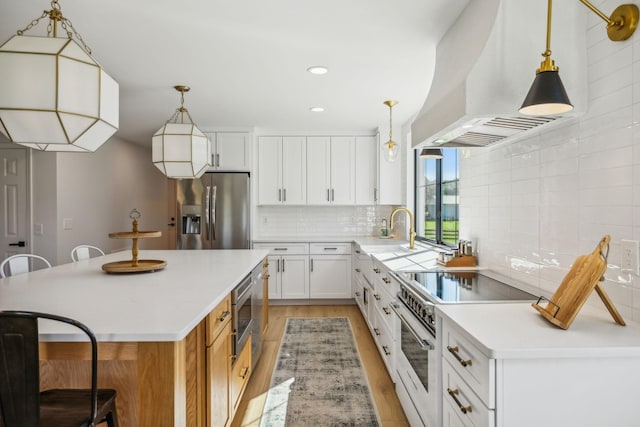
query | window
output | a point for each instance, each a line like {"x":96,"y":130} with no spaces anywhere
{"x":437,"y":201}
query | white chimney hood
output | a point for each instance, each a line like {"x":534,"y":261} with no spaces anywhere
{"x":485,"y":65}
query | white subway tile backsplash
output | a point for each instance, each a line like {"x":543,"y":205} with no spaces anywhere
{"x":551,"y":197}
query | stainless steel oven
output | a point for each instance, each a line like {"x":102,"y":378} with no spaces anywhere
{"x":242,"y":314}
{"x":417,"y":362}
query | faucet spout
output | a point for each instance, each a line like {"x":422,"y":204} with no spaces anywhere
{"x":412,"y":230}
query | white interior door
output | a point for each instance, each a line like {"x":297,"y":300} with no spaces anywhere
{"x":15,"y":222}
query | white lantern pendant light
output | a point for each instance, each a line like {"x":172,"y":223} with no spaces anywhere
{"x":53,"y":95}
{"x":179,"y":149}
{"x":390,"y":148}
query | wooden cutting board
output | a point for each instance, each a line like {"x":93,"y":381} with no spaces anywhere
{"x":583,"y":277}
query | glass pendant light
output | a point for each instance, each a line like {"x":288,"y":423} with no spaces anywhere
{"x":55,"y":96}
{"x":179,"y":149}
{"x":390,"y":148}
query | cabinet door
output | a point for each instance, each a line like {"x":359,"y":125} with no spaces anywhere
{"x":294,"y":275}
{"x":329,"y":276}
{"x":365,"y":170}
{"x":275,"y":291}
{"x":294,"y":170}
{"x":270,"y":170}
{"x":318,"y":170}
{"x":232,"y":151}
{"x":389,"y":173}
{"x":218,"y":373}
{"x":343,"y":172}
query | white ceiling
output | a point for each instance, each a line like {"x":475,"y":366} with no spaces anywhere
{"x":245,"y":60}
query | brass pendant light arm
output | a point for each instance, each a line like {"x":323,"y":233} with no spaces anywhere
{"x":621,"y":24}
{"x":548,"y":64}
{"x":599,"y":13}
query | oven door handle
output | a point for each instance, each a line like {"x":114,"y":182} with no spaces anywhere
{"x":424,"y":344}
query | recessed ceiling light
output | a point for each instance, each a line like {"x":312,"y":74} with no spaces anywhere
{"x":317,"y":109}
{"x":318,"y":69}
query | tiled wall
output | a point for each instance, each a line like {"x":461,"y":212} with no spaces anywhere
{"x":534,"y":205}
{"x":318,"y":221}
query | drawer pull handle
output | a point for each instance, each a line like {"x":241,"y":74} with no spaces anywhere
{"x":386,"y":280}
{"x":357,"y":251}
{"x":377,"y":331}
{"x":386,"y":310}
{"x":358,"y":270}
{"x":224,"y":316}
{"x":454,"y":351}
{"x":244,"y":372}
{"x":280,"y":249}
{"x":377,"y":297}
{"x":357,"y":294}
{"x":453,"y":393}
{"x":330,"y":249}
{"x":386,"y":350}
{"x":377,"y":270}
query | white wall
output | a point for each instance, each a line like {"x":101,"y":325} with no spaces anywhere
{"x":96,"y":191}
{"x":533,"y":206}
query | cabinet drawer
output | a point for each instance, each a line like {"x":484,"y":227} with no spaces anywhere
{"x":383,"y":304}
{"x":473,"y":366}
{"x":240,"y":374}
{"x":330,"y":248}
{"x":218,"y":318}
{"x":386,"y":344}
{"x":469,"y":409}
{"x":284,"y":248}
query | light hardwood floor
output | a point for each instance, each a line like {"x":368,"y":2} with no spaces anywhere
{"x":382,"y":388}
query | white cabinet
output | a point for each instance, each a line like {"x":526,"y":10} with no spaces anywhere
{"x":389,"y":175}
{"x":288,"y":269}
{"x":366,"y":176}
{"x":282,"y":170}
{"x":230,"y":151}
{"x":331,"y":170}
{"x":501,"y":363}
{"x":330,"y":270}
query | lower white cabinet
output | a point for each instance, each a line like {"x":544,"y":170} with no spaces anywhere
{"x":288,"y":270}
{"x":330,"y":270}
{"x":503,"y":365}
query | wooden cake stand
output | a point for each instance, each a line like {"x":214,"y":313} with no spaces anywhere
{"x":134,"y":265}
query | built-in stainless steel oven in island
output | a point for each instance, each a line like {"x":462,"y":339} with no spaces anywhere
{"x":418,"y":361}
{"x":242,"y":315}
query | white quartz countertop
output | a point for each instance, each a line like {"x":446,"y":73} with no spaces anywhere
{"x":362,"y":240}
{"x":155,"y":306}
{"x":518,"y":331}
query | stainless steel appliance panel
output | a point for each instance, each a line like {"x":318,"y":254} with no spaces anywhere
{"x":242,"y":320}
{"x":213,"y":212}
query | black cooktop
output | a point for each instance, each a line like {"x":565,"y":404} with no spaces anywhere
{"x":463,"y":286}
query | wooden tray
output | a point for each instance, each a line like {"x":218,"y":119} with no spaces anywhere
{"x":583,"y":277}
{"x":461,"y":261}
{"x":143,"y":265}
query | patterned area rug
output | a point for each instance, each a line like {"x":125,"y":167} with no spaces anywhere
{"x":318,"y":379}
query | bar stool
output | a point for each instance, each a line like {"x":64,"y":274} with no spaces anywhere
{"x":21,"y":263}
{"x":21,"y":401}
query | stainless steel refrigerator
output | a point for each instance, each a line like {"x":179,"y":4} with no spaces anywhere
{"x":213,"y":211}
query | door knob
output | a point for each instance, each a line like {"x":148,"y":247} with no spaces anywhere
{"x":20,"y":244}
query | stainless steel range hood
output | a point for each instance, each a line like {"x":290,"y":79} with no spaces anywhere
{"x":485,"y":65}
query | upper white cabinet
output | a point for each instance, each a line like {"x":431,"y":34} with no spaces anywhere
{"x":389,"y":177}
{"x":366,"y":152}
{"x":230,"y":151}
{"x":331,"y":170}
{"x":282,"y":170}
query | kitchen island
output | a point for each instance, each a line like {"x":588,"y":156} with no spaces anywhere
{"x":150,"y":327}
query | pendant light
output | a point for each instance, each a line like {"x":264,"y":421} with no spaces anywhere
{"x":390,"y":148}
{"x":431,"y":153}
{"x":179,"y":149}
{"x":55,"y":96}
{"x":547,"y":95}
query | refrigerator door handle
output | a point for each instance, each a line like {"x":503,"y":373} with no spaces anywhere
{"x":207,"y":212}
{"x":214,"y":192}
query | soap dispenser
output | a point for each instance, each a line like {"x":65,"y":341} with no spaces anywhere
{"x":383,"y":228}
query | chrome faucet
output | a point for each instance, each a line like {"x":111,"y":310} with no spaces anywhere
{"x":412,"y":230}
